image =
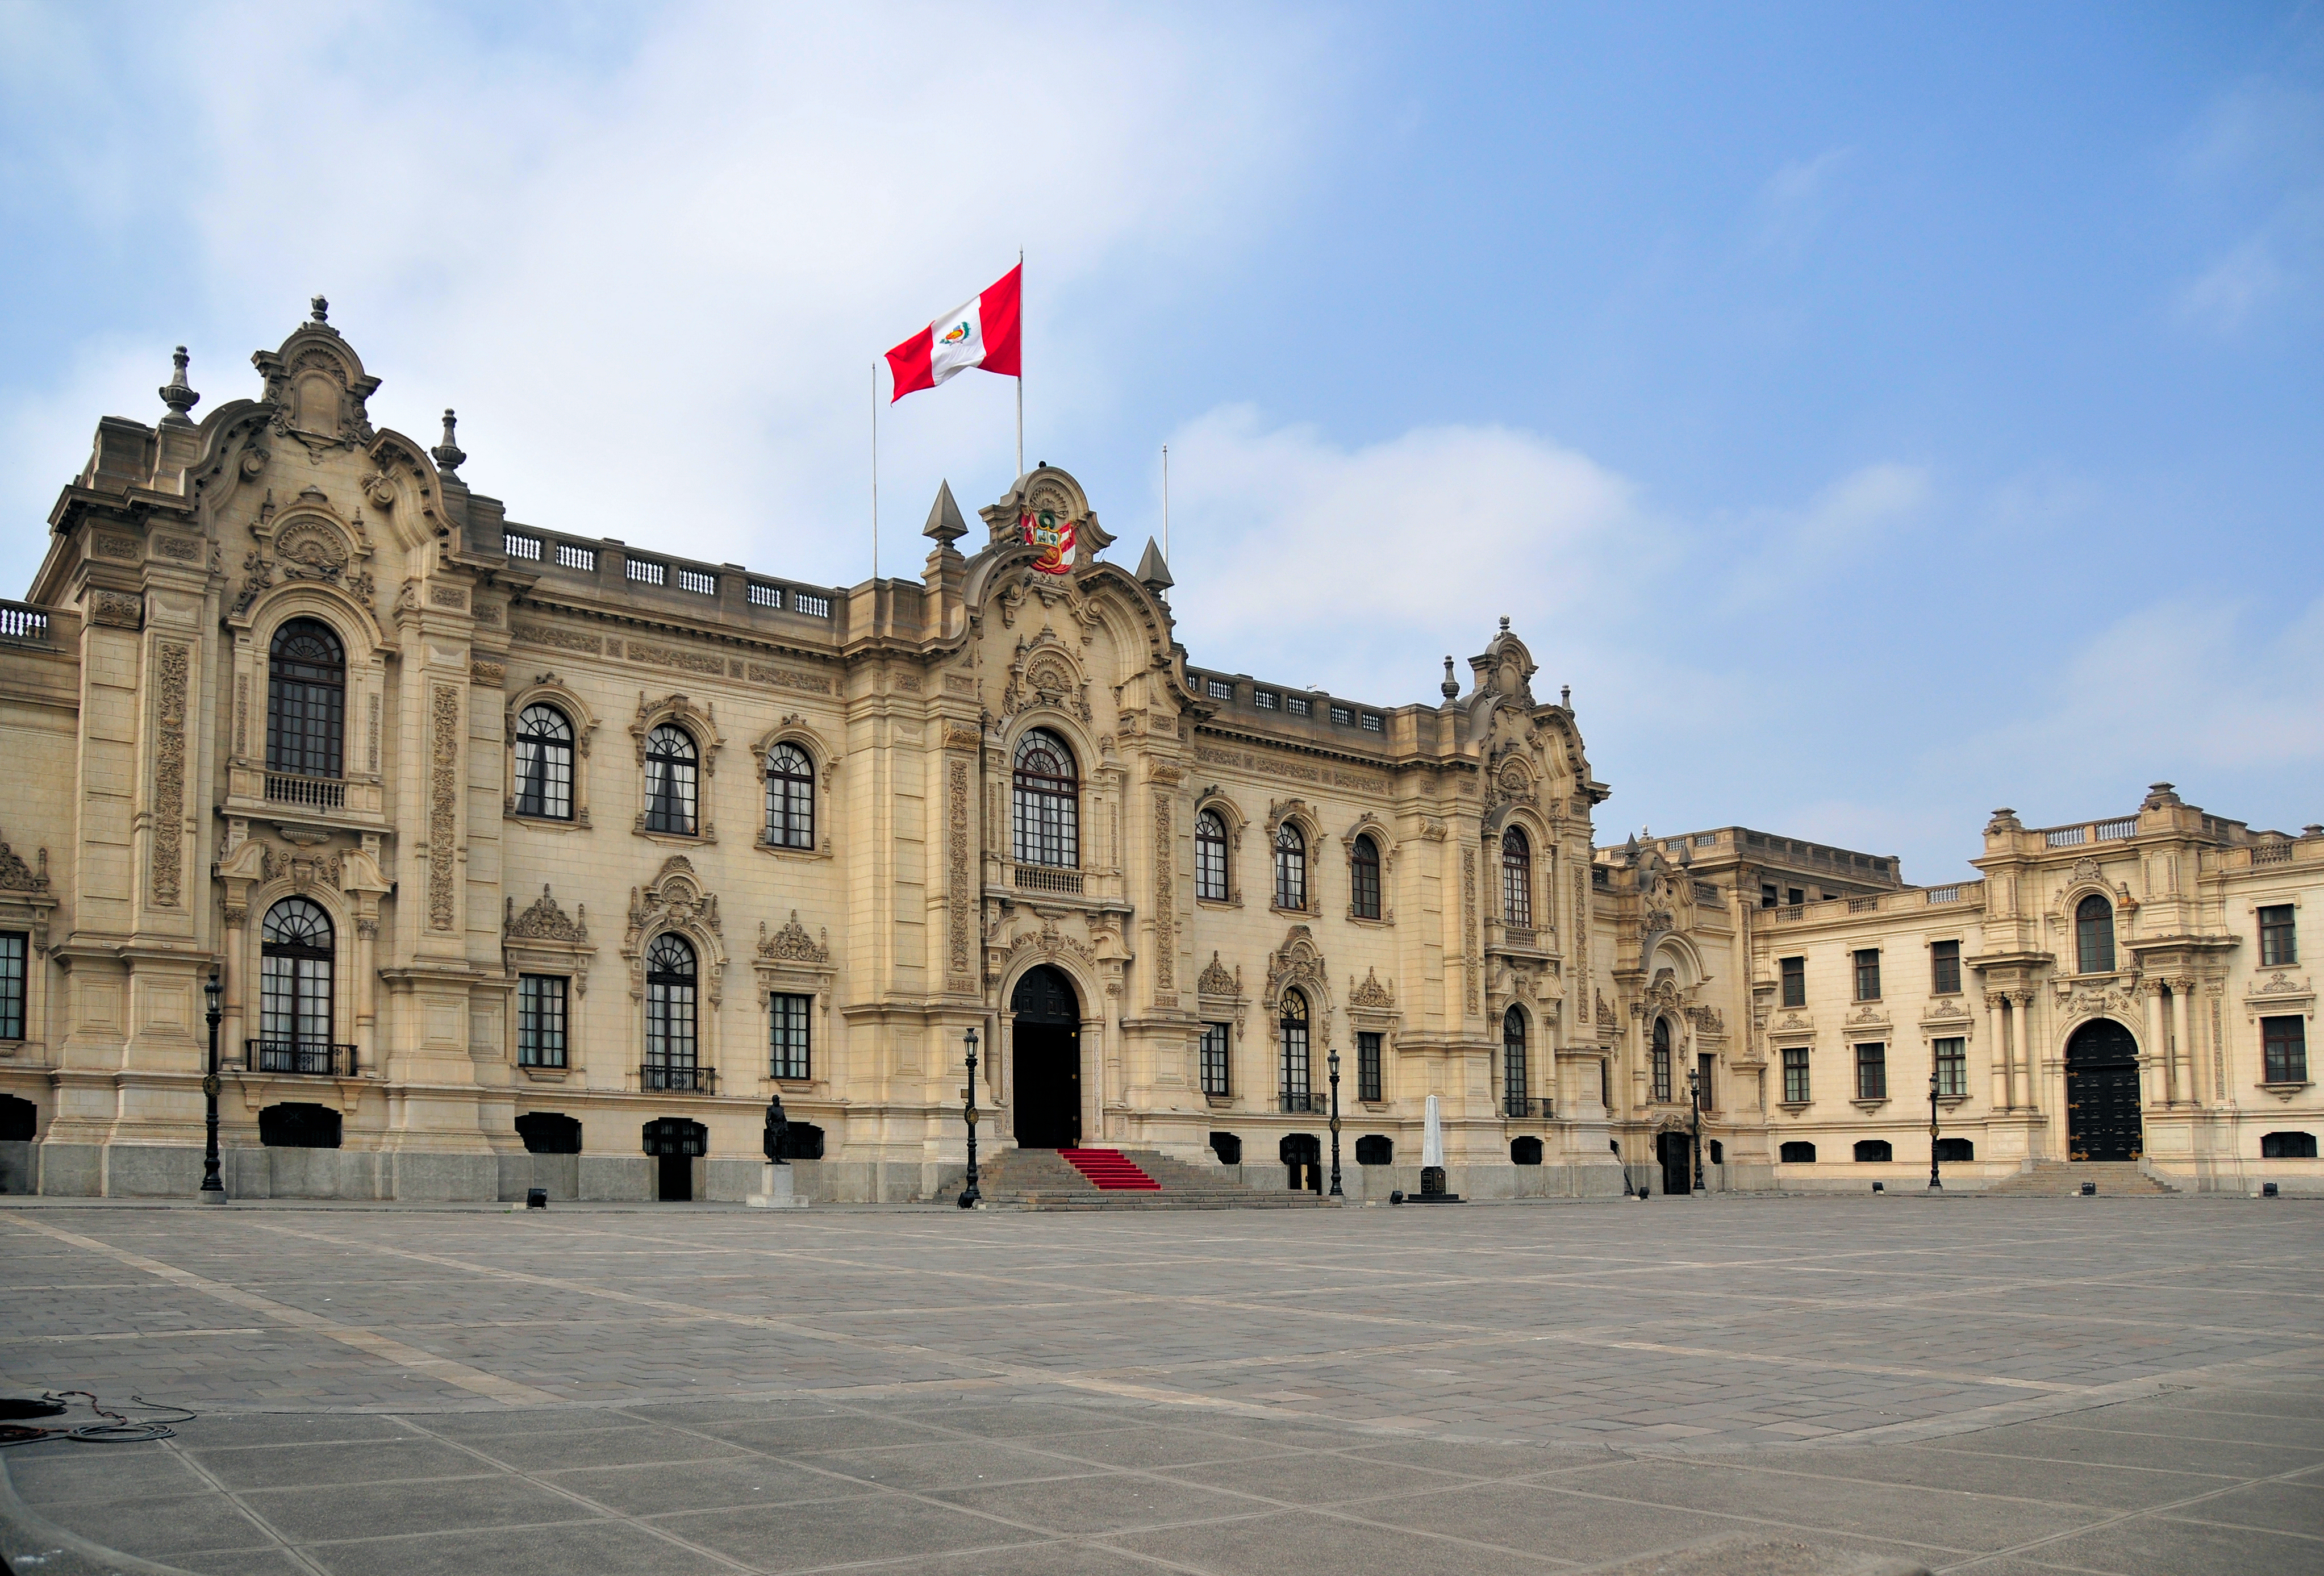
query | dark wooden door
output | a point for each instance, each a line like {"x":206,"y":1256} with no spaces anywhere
{"x":1048,"y":1086}
{"x":676,"y":1178}
{"x":1678,"y":1171}
{"x":2102,"y":1114}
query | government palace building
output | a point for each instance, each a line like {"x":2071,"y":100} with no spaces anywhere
{"x":522,"y":860}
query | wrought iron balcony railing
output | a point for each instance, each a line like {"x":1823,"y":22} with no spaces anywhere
{"x":305,"y":1059}
{"x":1520,"y":1107}
{"x":653,"y":1080}
{"x":1302,"y":1101}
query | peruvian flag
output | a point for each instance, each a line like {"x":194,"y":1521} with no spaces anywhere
{"x":981,"y":333}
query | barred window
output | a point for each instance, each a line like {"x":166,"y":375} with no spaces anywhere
{"x":13,"y":955}
{"x":1048,"y":802}
{"x":1219,"y":689}
{"x":1944,"y":968}
{"x":544,"y":762}
{"x":670,"y":781}
{"x":2094,"y":935}
{"x":306,"y":699}
{"x":1795,"y":981}
{"x":1369,"y":1079}
{"x":2278,"y":940}
{"x":1298,"y":705}
{"x":1344,"y":715}
{"x":669,"y":1009}
{"x":1290,"y":867}
{"x":1661,"y":1067}
{"x":1364,"y":878}
{"x":1796,"y":1075}
{"x":1210,"y":857}
{"x":1293,"y":1030}
{"x":1216,"y":1041}
{"x":1266,"y":700}
{"x":1517,"y":879}
{"x":787,"y":1035}
{"x":790,"y":798}
{"x":540,"y":1020}
{"x":1952,"y":1068}
{"x":2283,"y":1043}
{"x":1872,"y":1072}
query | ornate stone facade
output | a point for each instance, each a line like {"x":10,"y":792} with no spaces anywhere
{"x":897,"y":899}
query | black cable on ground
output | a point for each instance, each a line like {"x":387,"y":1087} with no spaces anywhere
{"x":117,"y":1429}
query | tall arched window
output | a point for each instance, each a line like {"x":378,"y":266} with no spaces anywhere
{"x":1517,"y":879}
{"x":1292,"y":1031}
{"x":1364,"y":878}
{"x":1513,"y":1061}
{"x":1048,"y":802}
{"x":670,"y":1062}
{"x":1210,"y":857}
{"x":1662,"y":1066}
{"x":2094,"y":935}
{"x":544,"y":762}
{"x":306,"y":700}
{"x":670,"y":781}
{"x":1290,"y":867}
{"x":294,"y":989}
{"x":790,"y":798}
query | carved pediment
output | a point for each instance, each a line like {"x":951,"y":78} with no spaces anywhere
{"x":1215,"y":980}
{"x":793,"y":944}
{"x":1043,"y":672}
{"x":545,"y":921}
{"x":16,"y":876}
{"x":1371,"y":994}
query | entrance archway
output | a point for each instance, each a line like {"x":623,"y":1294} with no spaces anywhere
{"x":1045,"y":1034}
{"x":2102,"y":1119}
{"x":675,"y":1142}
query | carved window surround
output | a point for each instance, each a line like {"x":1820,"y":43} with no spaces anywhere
{"x":1214,"y":798}
{"x":26,"y":904}
{"x":555,"y":692}
{"x":795,"y":729}
{"x":791,"y":962}
{"x":1311,"y":836}
{"x":543,"y":939}
{"x":677,"y":901}
{"x":364,"y":758}
{"x":701,"y":723}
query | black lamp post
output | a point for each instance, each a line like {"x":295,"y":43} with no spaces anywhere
{"x":1332,"y":1061}
{"x":212,"y":1190}
{"x":1694,"y":1098}
{"x":969,"y":1197}
{"x":1933,"y":1131}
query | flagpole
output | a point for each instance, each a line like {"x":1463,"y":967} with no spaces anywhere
{"x":875,"y":470}
{"x":1165,"y":503}
{"x":1021,"y":361}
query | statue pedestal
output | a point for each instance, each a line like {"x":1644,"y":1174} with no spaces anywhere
{"x":775,"y":1184}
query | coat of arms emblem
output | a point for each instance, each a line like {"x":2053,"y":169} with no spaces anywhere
{"x":1055,"y":537}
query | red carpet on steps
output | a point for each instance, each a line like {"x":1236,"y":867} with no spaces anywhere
{"x":1109,"y":1170}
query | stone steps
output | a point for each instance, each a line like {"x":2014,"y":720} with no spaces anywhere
{"x":1038,"y":1179}
{"x":2059,"y":1178}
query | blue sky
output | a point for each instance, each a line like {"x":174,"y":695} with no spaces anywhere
{"x":1876,"y":413}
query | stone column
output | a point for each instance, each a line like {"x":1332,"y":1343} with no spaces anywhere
{"x":1997,"y":1014}
{"x":2030,"y":1091}
{"x":2182,"y":1039}
{"x":2154,"y":1067}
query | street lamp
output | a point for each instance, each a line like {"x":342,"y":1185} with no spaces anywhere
{"x":1933,"y":1132}
{"x":969,"y":1197}
{"x":212,"y":1190}
{"x":1332,"y":1061}
{"x":1695,"y":1099}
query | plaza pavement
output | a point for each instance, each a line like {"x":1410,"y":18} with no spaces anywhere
{"x":1997,"y":1386}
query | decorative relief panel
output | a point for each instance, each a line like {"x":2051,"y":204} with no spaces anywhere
{"x":1298,"y":770}
{"x":375,"y":733}
{"x":455,"y":597}
{"x":241,"y":714}
{"x":710,"y":664}
{"x":787,"y":679}
{"x":564,"y":640}
{"x":545,"y":921}
{"x":490,"y":675}
{"x":174,"y":664}
{"x":1469,"y":928}
{"x":1372,"y":995}
{"x":793,"y":944}
{"x":960,"y":893}
{"x":120,"y":610}
{"x":117,"y":546}
{"x":1165,"y":901}
{"x":443,"y":801}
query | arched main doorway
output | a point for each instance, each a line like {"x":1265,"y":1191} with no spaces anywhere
{"x":1047,"y":1079}
{"x":2102,"y":1119}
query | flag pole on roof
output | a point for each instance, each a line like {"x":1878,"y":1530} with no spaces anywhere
{"x":1020,"y":362}
{"x":982,"y":332}
{"x":875,"y":470}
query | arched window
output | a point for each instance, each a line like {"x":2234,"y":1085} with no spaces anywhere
{"x":2094,"y":935}
{"x":1292,"y":1029}
{"x":1364,"y":878}
{"x":306,"y":700}
{"x":1513,"y":1063}
{"x":1048,"y":823}
{"x":1662,"y":1067}
{"x":1210,"y":857}
{"x":1517,"y":879}
{"x":294,"y":989}
{"x":544,"y":762}
{"x":1290,"y":867}
{"x":670,"y":781}
{"x":670,"y":1061}
{"x":790,"y":798}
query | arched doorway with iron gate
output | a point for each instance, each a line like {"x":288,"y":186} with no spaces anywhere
{"x":1045,"y":1067}
{"x":2102,"y":1114}
{"x":676,"y":1143}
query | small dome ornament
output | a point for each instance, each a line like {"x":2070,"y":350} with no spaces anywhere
{"x":1450,"y":688}
{"x":177,"y":393}
{"x":321,"y":311}
{"x":448,"y":454}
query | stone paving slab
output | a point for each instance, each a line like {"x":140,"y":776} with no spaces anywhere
{"x":2029,"y":1385}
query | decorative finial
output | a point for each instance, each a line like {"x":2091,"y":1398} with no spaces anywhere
{"x":945,"y":522}
{"x":1452,"y":685}
{"x":448,"y":452}
{"x":322,"y":313}
{"x":1505,"y":624}
{"x":175,"y":393}
{"x":1566,"y":695}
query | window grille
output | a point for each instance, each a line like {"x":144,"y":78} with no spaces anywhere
{"x":1210,"y":857}
{"x":1216,"y":1039}
{"x":647,"y":572}
{"x":1374,"y":722}
{"x":762,"y":594}
{"x":540,"y":1020}
{"x":697,"y":582}
{"x":306,"y":700}
{"x":1219,"y":689}
{"x":810,"y":603}
{"x":1706,"y":840}
{"x":571,"y":556}
{"x":1364,"y":879}
{"x":1952,"y":1069}
{"x":670,"y":781}
{"x":790,"y":798}
{"x":1795,"y":1077}
{"x":1872,"y":1072}
{"x":1047,"y":802}
{"x":13,"y":981}
{"x":1266,"y":700}
{"x":1344,"y":715}
{"x":1661,"y":1067}
{"x":2278,"y":936}
{"x":1369,"y":1079}
{"x":1298,"y":705}
{"x":527,"y":548}
{"x":787,"y":1035}
{"x":1944,"y":968}
{"x":544,"y":762}
{"x":1290,"y":867}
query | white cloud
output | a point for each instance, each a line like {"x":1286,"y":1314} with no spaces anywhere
{"x":1782,"y":553}
{"x":2252,"y":158}
{"x":1792,"y":203}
